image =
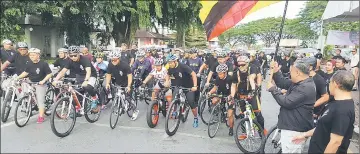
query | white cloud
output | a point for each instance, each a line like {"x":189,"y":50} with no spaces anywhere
{"x":276,"y":10}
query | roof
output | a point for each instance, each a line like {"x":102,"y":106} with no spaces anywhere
{"x":215,"y":39}
{"x":289,"y":42}
{"x":147,"y":34}
{"x":337,"y":11}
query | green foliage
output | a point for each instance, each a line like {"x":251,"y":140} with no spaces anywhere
{"x":195,"y":37}
{"x":328,"y":51}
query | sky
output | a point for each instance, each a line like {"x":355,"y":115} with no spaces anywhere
{"x":276,"y":10}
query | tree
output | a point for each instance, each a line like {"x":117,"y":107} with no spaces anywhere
{"x":195,"y":37}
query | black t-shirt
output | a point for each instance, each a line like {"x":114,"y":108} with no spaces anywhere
{"x":285,"y":65}
{"x":338,"y":118}
{"x":263,"y":59}
{"x":20,"y":62}
{"x":337,"y":57}
{"x":61,"y":62}
{"x":224,"y":85}
{"x":126,"y":57}
{"x":256,"y":63}
{"x":320,"y":84}
{"x":336,"y":69}
{"x":79,"y":66}
{"x":182,"y":76}
{"x":133,"y":52}
{"x":37,"y":71}
{"x":5,"y":55}
{"x":243,"y":87}
{"x":210,"y":61}
{"x":228,"y":63}
{"x":327,"y":78}
{"x":120,"y":72}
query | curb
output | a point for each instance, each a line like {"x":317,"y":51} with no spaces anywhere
{"x":356,"y":132}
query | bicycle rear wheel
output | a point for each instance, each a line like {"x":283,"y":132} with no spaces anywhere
{"x":152,"y":116}
{"x":249,"y":140}
{"x":272,"y":143}
{"x":24,"y":106}
{"x":186,"y":113}
{"x":172,"y":115}
{"x":49,"y":100}
{"x":6,"y":108}
{"x":91,"y":115}
{"x":214,"y":121}
{"x":63,"y":111}
{"x":116,"y":111}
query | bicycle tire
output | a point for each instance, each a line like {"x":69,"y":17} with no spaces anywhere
{"x":89,"y":110}
{"x":261,"y":133}
{"x":210,"y":123}
{"x":116,"y":106}
{"x":153,"y":121}
{"x":276,"y":146}
{"x":6,"y":108}
{"x":147,"y":96}
{"x":203,"y":108}
{"x":53,"y":113}
{"x":28,"y":107}
{"x":186,"y":114}
{"x":131,"y":109}
{"x":168,"y":115}
{"x":49,"y":100}
{"x":237,"y":109}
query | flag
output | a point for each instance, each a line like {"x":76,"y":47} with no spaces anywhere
{"x":218,"y":16}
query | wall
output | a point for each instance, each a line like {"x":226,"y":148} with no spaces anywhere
{"x":46,"y":39}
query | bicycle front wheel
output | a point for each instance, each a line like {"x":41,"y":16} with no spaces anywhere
{"x":49,"y":100}
{"x":205,"y":111}
{"x":272,"y":143}
{"x":6,"y":108}
{"x":249,"y":137}
{"x":116,"y":112}
{"x":62,"y":112}
{"x":214,"y":122}
{"x":92,"y":115}
{"x":23,"y":111}
{"x":172,"y":118}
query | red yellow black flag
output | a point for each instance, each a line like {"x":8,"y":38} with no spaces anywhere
{"x":218,"y":16}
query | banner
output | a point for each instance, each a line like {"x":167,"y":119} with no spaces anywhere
{"x":336,"y":37}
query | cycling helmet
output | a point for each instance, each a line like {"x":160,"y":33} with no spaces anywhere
{"x":74,"y":49}
{"x":167,"y":50}
{"x":114,"y":54}
{"x":243,"y":58}
{"x":140,"y":53}
{"x":172,"y":57}
{"x":34,"y":50}
{"x":99,"y":55}
{"x":21,"y":45}
{"x":221,"y":68}
{"x":220,"y":54}
{"x":158,"y":61}
{"x":63,"y":50}
{"x":6,"y":41}
{"x":193,"y":50}
{"x":147,"y":50}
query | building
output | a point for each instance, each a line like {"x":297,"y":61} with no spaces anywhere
{"x":47,"y":38}
{"x":143,"y":37}
{"x":214,"y":43}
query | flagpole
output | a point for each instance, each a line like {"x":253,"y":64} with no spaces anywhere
{"x":281,"y":29}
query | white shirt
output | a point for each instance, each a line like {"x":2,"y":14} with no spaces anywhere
{"x":160,"y":75}
{"x":354,"y":60}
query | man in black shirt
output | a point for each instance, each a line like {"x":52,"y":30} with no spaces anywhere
{"x":264,"y":64}
{"x":19,"y":59}
{"x":337,"y":54}
{"x":126,"y":56}
{"x":285,"y":64}
{"x":5,"y":53}
{"x":85,"y":73}
{"x":220,"y":55}
{"x":182,"y":75}
{"x":340,"y":64}
{"x":63,"y":61}
{"x":37,"y":71}
{"x":122,"y":75}
{"x":321,"y":95}
{"x":335,"y":126}
{"x":225,"y":86}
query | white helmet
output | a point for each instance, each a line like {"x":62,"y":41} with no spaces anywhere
{"x":63,"y":50}
{"x":34,"y":50}
{"x":158,"y":61}
{"x":6,"y":41}
{"x":221,"y":68}
{"x":114,"y":54}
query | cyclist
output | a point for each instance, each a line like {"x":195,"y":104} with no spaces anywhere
{"x":225,"y":86}
{"x":194,"y":63}
{"x":247,"y":79}
{"x":19,"y":59}
{"x":85,"y":52}
{"x":264,"y":63}
{"x":220,"y":60}
{"x":100,"y":64}
{"x":159,"y":73}
{"x":182,"y":75}
{"x":142,"y":65}
{"x":5,"y":53}
{"x":126,"y":55}
{"x":62,"y":61}
{"x":37,"y":71}
{"x":149,"y":57}
{"x":184,"y":58}
{"x":85,"y":73}
{"x":121,"y":72}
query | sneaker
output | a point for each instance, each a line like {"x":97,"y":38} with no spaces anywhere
{"x":94,"y":103}
{"x":231,"y":131}
{"x":174,"y":115}
{"x":135,"y":114}
{"x":40,"y":120}
{"x":196,"y":122}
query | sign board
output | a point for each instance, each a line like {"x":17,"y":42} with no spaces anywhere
{"x":336,"y":37}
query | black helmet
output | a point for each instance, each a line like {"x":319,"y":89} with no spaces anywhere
{"x":193,"y":50}
{"x":21,"y":45}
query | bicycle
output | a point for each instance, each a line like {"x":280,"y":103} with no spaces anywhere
{"x":140,"y":92}
{"x":9,"y":96}
{"x":50,"y":96}
{"x":273,"y":138}
{"x":69,"y":107}
{"x":157,"y":106}
{"x":218,"y":115}
{"x":252,"y":130}
{"x":27,"y":103}
{"x":104,"y":94}
{"x":205,"y":104}
{"x":178,"y":110}
{"x":121,"y":105}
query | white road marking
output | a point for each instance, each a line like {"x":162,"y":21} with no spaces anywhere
{"x":159,"y":131}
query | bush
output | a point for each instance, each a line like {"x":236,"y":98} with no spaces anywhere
{"x":328,"y":51}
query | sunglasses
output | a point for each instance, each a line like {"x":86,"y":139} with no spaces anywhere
{"x":72,"y":55}
{"x":114,"y":60}
{"x":353,"y":51}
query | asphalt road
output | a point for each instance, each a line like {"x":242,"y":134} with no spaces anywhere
{"x":128,"y":136}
